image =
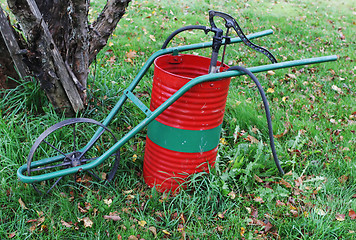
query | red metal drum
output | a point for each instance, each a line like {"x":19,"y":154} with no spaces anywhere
{"x":184,"y":138}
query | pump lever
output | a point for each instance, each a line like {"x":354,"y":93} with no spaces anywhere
{"x":231,"y":22}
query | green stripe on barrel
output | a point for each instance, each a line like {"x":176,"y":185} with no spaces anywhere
{"x":182,"y":140}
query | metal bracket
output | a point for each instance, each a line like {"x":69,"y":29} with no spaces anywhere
{"x":138,"y":103}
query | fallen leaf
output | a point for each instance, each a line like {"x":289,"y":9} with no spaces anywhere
{"x":248,"y":209}
{"x":132,"y":237}
{"x":87,"y":222}
{"x":280,"y":203}
{"x":270,"y":72}
{"x":153,"y":231}
{"x":343,"y":179}
{"x":82,"y":210}
{"x":221,"y":215}
{"x":258,"y":179}
{"x":223,"y":141}
{"x":320,"y":212}
{"x":298,"y":182}
{"x":258,"y":199}
{"x":130,"y":197}
{"x":131,"y":54}
{"x":128,"y":191}
{"x":232,"y":195}
{"x":242,"y":231}
{"x":252,"y":139}
{"x":270,"y":90}
{"x":290,"y":75}
{"x":337,"y":89}
{"x":68,"y":225}
{"x":112,"y":59}
{"x":112,"y":217}
{"x":352,"y":214}
{"x":142,"y":223}
{"x":152,"y":38}
{"x":287,"y":127}
{"x":36,"y":223}
{"x":294,"y":213}
{"x":166,"y":232}
{"x":108,"y":202}
{"x":268,"y":227}
{"x":22,"y":204}
{"x":285,"y":183}
{"x":11,"y":235}
{"x":340,"y":217}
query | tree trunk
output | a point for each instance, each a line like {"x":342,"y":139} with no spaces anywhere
{"x":61,"y":44}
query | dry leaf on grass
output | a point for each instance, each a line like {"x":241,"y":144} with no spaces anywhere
{"x":22,"y":204}
{"x":86,"y":221}
{"x":68,"y":225}
{"x":112,"y":217}
{"x":153,"y":231}
{"x":352,"y":214}
{"x":340,"y":217}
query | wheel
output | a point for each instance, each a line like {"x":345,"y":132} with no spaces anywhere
{"x":71,"y":143}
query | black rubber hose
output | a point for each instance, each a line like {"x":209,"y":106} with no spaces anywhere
{"x":268,"y":114}
{"x":186,"y":28}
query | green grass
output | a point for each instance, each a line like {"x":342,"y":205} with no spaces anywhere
{"x":243,"y":197}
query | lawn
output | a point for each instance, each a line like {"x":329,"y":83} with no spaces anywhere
{"x":243,"y":197}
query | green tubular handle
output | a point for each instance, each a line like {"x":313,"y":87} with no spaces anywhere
{"x":158,"y":111}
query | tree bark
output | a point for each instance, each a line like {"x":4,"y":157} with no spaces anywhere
{"x":7,"y":70}
{"x":61,"y":44}
{"x":105,"y":24}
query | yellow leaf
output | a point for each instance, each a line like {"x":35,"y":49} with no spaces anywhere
{"x":242,"y":231}
{"x":166,"y":232}
{"x":270,"y":90}
{"x":142,"y":223}
{"x":134,"y":157}
{"x":223,"y":141}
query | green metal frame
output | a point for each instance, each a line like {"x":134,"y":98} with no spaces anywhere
{"x":150,"y":116}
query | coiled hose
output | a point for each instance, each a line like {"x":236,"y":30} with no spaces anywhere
{"x":268,"y":114}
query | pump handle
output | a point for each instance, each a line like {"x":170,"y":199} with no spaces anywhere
{"x":231,"y":22}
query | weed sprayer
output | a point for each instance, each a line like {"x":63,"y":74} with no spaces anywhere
{"x":183,"y":121}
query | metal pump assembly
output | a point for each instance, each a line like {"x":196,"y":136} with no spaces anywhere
{"x":184,"y":118}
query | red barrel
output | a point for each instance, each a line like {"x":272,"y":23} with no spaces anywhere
{"x":184,"y":138}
